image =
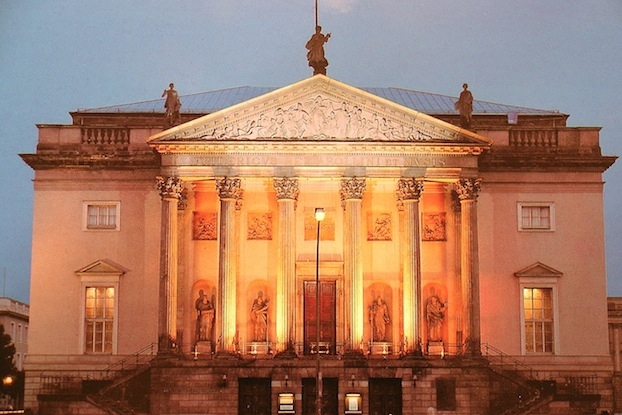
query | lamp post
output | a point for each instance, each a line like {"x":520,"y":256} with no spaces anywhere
{"x":319,"y":216}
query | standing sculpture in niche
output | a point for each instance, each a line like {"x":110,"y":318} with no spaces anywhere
{"x":465,"y":106}
{"x":379,"y":318}
{"x":315,"y":56}
{"x":435,"y":316}
{"x":259,"y":317}
{"x":205,"y":317}
{"x":172,"y":105}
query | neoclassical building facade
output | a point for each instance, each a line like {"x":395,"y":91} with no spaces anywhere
{"x":442,"y":251}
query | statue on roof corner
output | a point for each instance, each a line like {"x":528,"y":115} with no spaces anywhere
{"x":465,"y":106}
{"x":172,"y":105}
{"x":315,"y":56}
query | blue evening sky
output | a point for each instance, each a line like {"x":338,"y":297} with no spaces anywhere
{"x":60,"y":55}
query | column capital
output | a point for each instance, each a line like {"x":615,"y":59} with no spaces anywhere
{"x":467,"y":188}
{"x":409,"y":189}
{"x":352,"y":188}
{"x":229,"y":188}
{"x":170,"y":187}
{"x":286,"y":188}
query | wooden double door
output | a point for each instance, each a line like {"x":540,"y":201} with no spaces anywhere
{"x":327,"y":317}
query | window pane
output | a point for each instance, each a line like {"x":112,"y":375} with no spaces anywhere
{"x":99,"y":312}
{"x":538,"y":312}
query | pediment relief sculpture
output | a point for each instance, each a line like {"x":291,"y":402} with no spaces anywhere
{"x":319,"y":109}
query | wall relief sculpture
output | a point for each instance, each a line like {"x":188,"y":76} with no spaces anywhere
{"x":378,"y":226}
{"x":434,"y":227}
{"x":204,"y":226}
{"x":259,"y":226}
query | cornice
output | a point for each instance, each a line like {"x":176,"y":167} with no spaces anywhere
{"x":92,"y":161}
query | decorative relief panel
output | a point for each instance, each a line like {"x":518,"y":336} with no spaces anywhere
{"x":205,"y":226}
{"x":434,"y":227}
{"x":379,"y":226}
{"x":259,"y":226}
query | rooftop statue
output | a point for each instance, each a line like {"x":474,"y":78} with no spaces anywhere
{"x":172,"y":105}
{"x":465,"y":106}
{"x":315,"y":56}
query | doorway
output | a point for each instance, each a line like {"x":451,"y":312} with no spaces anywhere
{"x":328,"y":322}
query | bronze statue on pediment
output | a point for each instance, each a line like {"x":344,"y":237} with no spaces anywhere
{"x":315,"y":54}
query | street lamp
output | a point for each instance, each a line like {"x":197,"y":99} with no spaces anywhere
{"x":319,"y":216}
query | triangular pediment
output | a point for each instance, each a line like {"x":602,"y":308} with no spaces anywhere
{"x":538,"y":270}
{"x":319,"y":109}
{"x":102,"y":267}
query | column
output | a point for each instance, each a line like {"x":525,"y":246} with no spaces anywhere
{"x":467,"y":190}
{"x":408,"y":194}
{"x":170,"y":189}
{"x":352,"y":196}
{"x":182,"y":239}
{"x":287,"y":196}
{"x":230,"y":193}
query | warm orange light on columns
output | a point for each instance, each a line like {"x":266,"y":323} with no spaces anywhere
{"x":170,"y":189}
{"x":408,"y":193}
{"x":229,"y":191}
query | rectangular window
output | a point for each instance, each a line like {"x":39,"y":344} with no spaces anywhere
{"x":536,"y":216}
{"x":99,"y":319}
{"x":101,"y":215}
{"x":538,"y":316}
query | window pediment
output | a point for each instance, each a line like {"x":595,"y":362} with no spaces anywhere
{"x":538,"y":270}
{"x":102,"y":268}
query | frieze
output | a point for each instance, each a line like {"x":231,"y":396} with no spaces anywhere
{"x":298,"y":160}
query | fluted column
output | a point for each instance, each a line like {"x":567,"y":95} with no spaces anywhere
{"x":170,"y":189}
{"x":408,"y":194}
{"x":352,"y":196}
{"x":467,"y":190}
{"x":287,"y":196}
{"x":230,"y":193}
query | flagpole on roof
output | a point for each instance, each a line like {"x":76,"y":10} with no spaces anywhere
{"x":316,"y":18}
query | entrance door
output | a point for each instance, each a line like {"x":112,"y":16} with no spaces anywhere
{"x":329,"y":396}
{"x":385,"y":396}
{"x":254,"y":396}
{"x":328,"y":322}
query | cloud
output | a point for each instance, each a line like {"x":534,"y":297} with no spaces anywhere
{"x":339,"y":6}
